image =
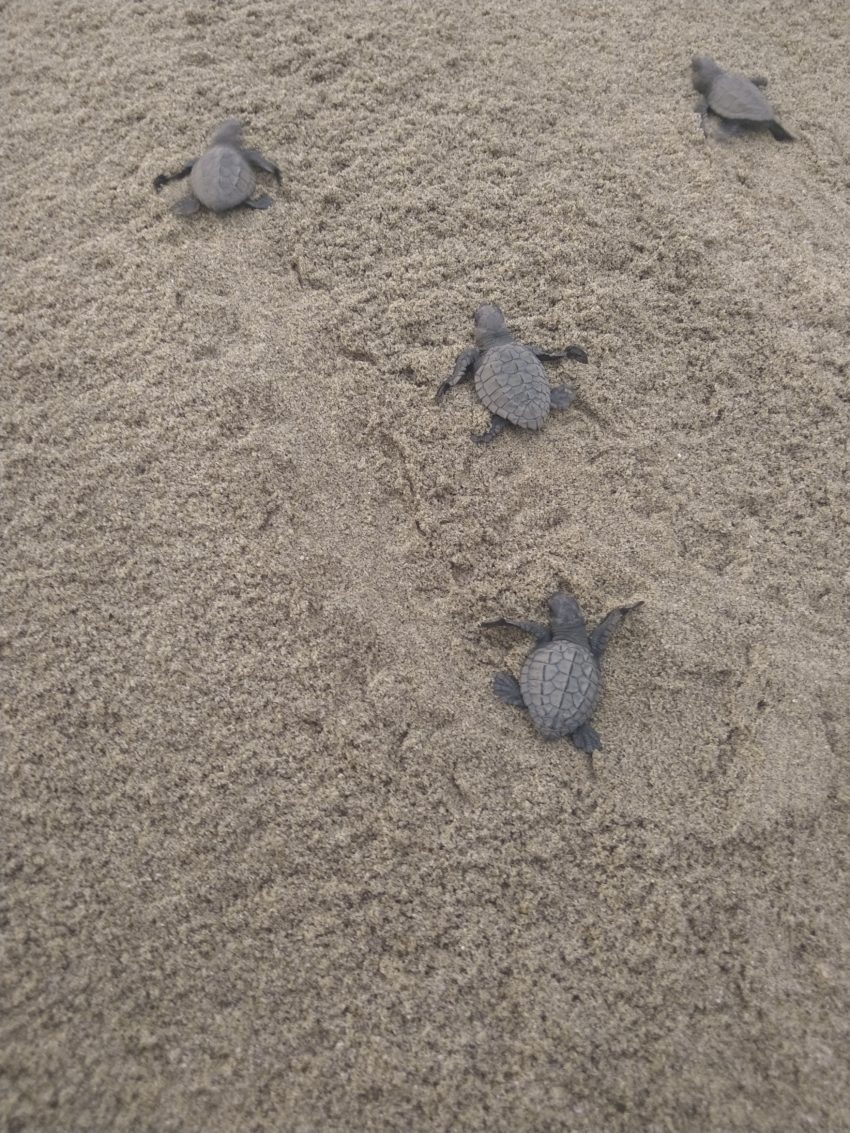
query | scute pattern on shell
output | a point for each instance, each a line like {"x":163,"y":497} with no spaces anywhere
{"x":511,"y":381}
{"x":222,"y":178}
{"x":736,"y":98}
{"x":560,"y":685}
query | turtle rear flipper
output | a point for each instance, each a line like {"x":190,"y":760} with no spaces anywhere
{"x":262,"y":202}
{"x":497,"y":425}
{"x":562,"y":397}
{"x":586,"y":739}
{"x":779,"y":132}
{"x":506,"y":687}
{"x":186,"y":206}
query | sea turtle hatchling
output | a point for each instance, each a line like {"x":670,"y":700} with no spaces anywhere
{"x":734,"y":98}
{"x":223,"y":177}
{"x":509,"y":378}
{"x":560,"y":681}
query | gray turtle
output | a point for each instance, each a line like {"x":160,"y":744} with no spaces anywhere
{"x":734,"y":98}
{"x":560,"y":681}
{"x":509,"y":378}
{"x":223,"y":177}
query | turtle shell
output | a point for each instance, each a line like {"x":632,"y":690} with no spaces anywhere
{"x":222,"y":178}
{"x":736,"y":98}
{"x":511,"y":382}
{"x":560,"y":686}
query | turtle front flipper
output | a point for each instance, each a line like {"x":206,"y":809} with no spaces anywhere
{"x":602,"y":634}
{"x":506,"y":687}
{"x":576,"y":353}
{"x":164,"y":178}
{"x":703,"y":110}
{"x":573,"y":352}
{"x":779,"y":132}
{"x":497,"y":425}
{"x":256,"y":158}
{"x":537,"y":630}
{"x":586,"y":739}
{"x":463,"y":367}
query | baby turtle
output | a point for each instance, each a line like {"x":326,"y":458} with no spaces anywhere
{"x":734,"y":98}
{"x":223,"y":177}
{"x":560,"y":682}
{"x":509,"y":377}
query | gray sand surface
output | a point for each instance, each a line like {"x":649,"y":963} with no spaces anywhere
{"x":274,"y":857}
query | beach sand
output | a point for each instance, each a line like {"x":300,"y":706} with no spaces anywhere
{"x":276,"y":859}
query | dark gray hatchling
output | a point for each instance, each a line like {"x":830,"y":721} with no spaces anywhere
{"x":734,"y":98}
{"x":560,"y":682}
{"x":223,"y":177}
{"x":509,"y":377}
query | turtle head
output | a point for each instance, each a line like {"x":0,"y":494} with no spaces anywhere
{"x":229,"y":133}
{"x":565,"y":610}
{"x":490,"y":326}
{"x":703,"y":72}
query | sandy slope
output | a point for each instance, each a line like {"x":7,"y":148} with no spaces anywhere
{"x":276,"y":860}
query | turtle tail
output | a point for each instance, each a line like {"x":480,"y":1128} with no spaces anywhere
{"x":779,"y":132}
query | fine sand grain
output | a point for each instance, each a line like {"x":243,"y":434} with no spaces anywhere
{"x":275,"y":859}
